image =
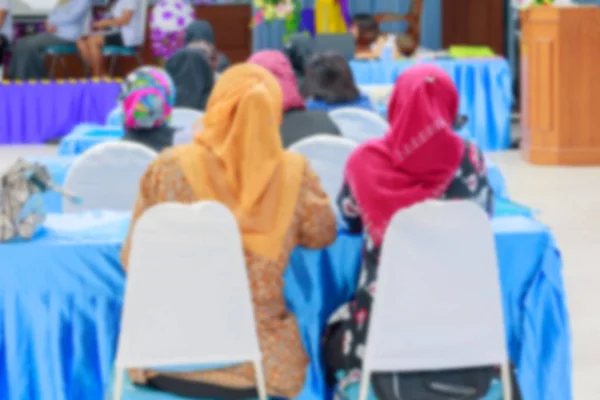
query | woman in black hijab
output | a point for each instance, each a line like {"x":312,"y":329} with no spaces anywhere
{"x":193,"y":77}
{"x":299,"y":50}
{"x":201,"y":31}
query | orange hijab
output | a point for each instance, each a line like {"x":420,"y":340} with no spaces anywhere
{"x":238,"y":158}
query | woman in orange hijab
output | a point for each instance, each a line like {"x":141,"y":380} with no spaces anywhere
{"x":238,"y":159}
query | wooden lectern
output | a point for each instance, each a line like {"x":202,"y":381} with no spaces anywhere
{"x":560,"y":85}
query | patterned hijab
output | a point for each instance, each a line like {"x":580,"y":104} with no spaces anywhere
{"x":417,"y":158}
{"x":238,"y":158}
{"x":276,"y":63}
{"x":147,"y":98}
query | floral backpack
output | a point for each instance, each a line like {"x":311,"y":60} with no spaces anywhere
{"x":22,"y":208}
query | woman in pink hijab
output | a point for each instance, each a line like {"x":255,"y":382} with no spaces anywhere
{"x":419,"y":158}
{"x":298,"y":122}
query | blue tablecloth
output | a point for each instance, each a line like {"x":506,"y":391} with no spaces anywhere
{"x":84,"y":136}
{"x":484,"y":85}
{"x":59,"y":166}
{"x":61,"y":295}
{"x":34,"y":112}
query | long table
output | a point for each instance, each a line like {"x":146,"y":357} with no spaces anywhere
{"x":61,"y":296}
{"x":485,"y":92}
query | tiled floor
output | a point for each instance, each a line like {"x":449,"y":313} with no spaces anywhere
{"x":569,"y":201}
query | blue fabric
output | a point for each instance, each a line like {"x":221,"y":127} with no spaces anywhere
{"x":362,"y":101}
{"x":58,"y":166}
{"x":88,"y":135}
{"x":485,"y":92}
{"x":61,"y":49}
{"x":40,"y":111}
{"x":61,"y":294}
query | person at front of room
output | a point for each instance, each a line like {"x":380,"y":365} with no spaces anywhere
{"x":193,"y":76}
{"x":122,"y":29}
{"x":6,"y":27}
{"x":329,"y":84}
{"x":365,"y":29}
{"x":147,"y":99}
{"x":201,"y":31}
{"x":298,"y":122}
{"x":65,"y":25}
{"x":419,"y":158}
{"x":279,"y":204}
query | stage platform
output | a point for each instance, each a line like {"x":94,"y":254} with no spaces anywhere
{"x":40,"y":111}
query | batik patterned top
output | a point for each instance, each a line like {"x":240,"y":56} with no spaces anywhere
{"x":313,"y":226}
{"x":470,"y":182}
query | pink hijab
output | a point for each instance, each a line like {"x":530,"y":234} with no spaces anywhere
{"x":417,"y":158}
{"x":277,"y":63}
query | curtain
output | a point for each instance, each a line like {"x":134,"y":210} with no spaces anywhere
{"x":270,"y":35}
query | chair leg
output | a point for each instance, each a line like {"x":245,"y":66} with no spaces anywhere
{"x":63,"y":64}
{"x":112,"y":65}
{"x":138,"y":57}
{"x":53,"y":66}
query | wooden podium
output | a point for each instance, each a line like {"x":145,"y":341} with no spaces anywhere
{"x":560,"y":85}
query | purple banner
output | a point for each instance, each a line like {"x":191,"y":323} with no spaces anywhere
{"x":39,"y":111}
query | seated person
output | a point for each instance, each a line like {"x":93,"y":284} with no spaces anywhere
{"x":299,"y":50}
{"x":201,"y":31}
{"x":122,"y":29}
{"x":147,"y":99}
{"x":210,"y":53}
{"x":65,"y":25}
{"x":385,"y":175}
{"x":298,"y":122}
{"x":6,"y":28}
{"x":365,"y":29}
{"x":279,"y":204}
{"x":193,"y":77}
{"x":329,"y":84}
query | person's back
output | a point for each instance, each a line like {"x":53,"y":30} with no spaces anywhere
{"x":279,"y":204}
{"x":300,"y":124}
{"x":193,"y":76}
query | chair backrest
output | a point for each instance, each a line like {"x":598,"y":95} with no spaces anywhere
{"x":115,"y":117}
{"x":438,"y":303}
{"x":359,"y":125}
{"x":187,"y":260}
{"x":327,"y":155}
{"x":378,"y":94}
{"x":107,"y":176}
{"x":412,"y":19}
{"x":185,"y":118}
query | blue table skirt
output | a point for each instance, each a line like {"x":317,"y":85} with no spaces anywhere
{"x":84,"y":136}
{"x":61,"y":295}
{"x":484,"y":85}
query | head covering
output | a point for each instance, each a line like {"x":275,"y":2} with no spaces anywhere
{"x":238,"y":158}
{"x":417,"y":158}
{"x":193,"y":76}
{"x":276,"y":63}
{"x":299,"y":49}
{"x":147,"y":98}
{"x":149,"y":77}
{"x":199,"y":30}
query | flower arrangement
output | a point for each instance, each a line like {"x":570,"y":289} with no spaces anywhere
{"x":528,"y":3}
{"x":167,"y":24}
{"x":272,"y":10}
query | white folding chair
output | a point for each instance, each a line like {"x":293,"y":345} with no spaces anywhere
{"x":378,"y":94}
{"x":107,"y":176}
{"x":187,"y":122}
{"x":199,"y":309}
{"x":438,"y":303}
{"x":359,"y":125}
{"x":327,"y":155}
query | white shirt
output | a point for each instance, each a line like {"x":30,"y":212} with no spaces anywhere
{"x":133,"y":32}
{"x":7,"y":28}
